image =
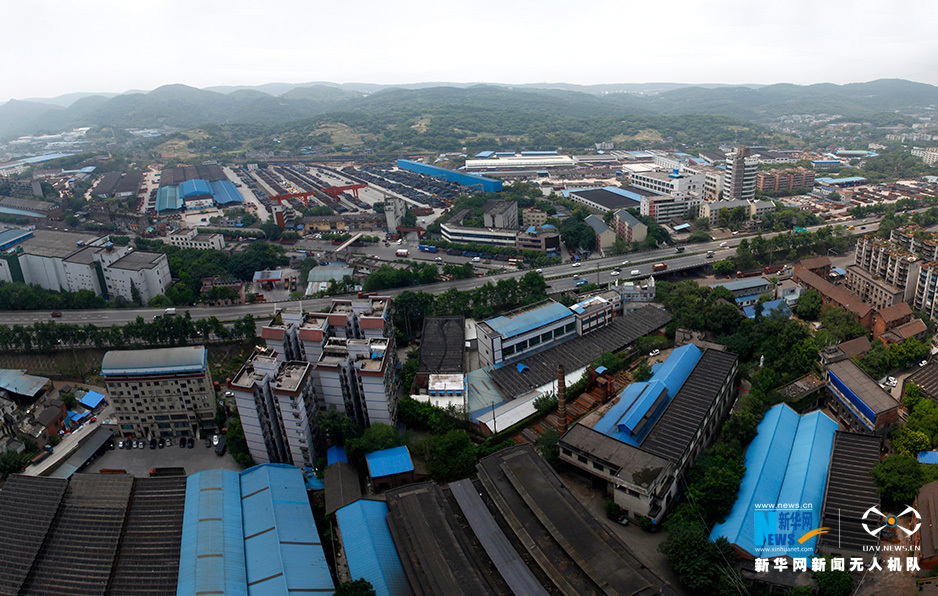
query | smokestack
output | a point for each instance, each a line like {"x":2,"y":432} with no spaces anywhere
{"x":561,"y":401}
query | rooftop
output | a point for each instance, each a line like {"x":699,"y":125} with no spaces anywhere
{"x":871,"y":398}
{"x":138,"y":261}
{"x":741,"y":285}
{"x":369,"y":548}
{"x":896,"y":312}
{"x":527,"y":319}
{"x":850,"y":492}
{"x":388,"y":462}
{"x":928,"y":507}
{"x":154,"y":361}
{"x":54,"y":244}
{"x":290,"y":375}
{"x":787,"y":462}
{"x":608,"y":199}
{"x":20,"y":383}
{"x":442,"y":345}
{"x":341,"y":486}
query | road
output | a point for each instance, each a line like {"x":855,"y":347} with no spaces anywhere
{"x":559,"y":277}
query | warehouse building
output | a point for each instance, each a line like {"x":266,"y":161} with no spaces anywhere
{"x":786,"y":463}
{"x":647,"y":441}
{"x":162,"y":392}
{"x":369,"y":547}
{"x":194,"y":187}
{"x":747,"y":291}
{"x":462,"y":178}
{"x":609,"y":198}
{"x":512,"y":336}
{"x":858,"y":401}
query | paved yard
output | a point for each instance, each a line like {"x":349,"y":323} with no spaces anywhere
{"x":138,"y":462}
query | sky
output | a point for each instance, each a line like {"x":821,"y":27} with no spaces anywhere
{"x":54,"y":47}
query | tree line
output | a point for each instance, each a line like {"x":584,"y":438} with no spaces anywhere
{"x":172,"y":331}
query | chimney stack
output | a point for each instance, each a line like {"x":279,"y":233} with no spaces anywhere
{"x":561,"y":401}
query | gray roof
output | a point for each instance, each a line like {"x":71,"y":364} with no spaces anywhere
{"x":632,"y":464}
{"x":606,"y":199}
{"x":19,"y":383}
{"x":628,"y":218}
{"x":863,"y":386}
{"x":342,"y":486}
{"x":442,"y":345}
{"x":926,"y":377}
{"x":580,"y":351}
{"x":329,"y":273}
{"x":597,"y":223}
{"x":672,"y":434}
{"x":578,"y":553}
{"x":850,"y":492}
{"x":138,"y":260}
{"x":54,"y":244}
{"x":48,"y":415}
{"x":155,"y":361}
{"x":80,"y":457}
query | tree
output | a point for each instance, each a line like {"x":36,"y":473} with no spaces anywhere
{"x":271,"y":230}
{"x":698,"y":562}
{"x":724,"y":267}
{"x":337,"y":427}
{"x":359,"y":587}
{"x":237,"y":444}
{"x":910,"y":442}
{"x":12,"y":462}
{"x":699,"y":236}
{"x":135,"y":294}
{"x":69,"y":399}
{"x":451,"y":456}
{"x":642,"y":372}
{"x":375,"y":438}
{"x":809,"y":305}
{"x":898,"y":478}
{"x":834,"y":583}
{"x":545,"y":404}
{"x":548,"y":446}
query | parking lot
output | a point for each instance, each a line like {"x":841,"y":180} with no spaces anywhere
{"x":138,"y":462}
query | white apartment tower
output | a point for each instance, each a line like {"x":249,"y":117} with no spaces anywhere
{"x":740,"y":179}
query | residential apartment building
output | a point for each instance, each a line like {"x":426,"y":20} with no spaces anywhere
{"x":516,"y":334}
{"x":896,"y":263}
{"x":628,"y":227}
{"x":360,"y":377}
{"x":925,"y":288}
{"x":163,"y":392}
{"x":788,"y":179}
{"x":674,"y":183}
{"x":532,"y":216}
{"x":664,"y":208}
{"x":545,"y":238}
{"x":713,"y":180}
{"x":712,"y":209}
{"x":873,"y":290}
{"x":467,"y":235}
{"x":605,"y":236}
{"x":740,"y":179}
{"x":191,"y":238}
{"x":596,"y":311}
{"x":928,"y":154}
{"x":277,"y":403}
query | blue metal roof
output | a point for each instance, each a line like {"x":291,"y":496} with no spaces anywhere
{"x":768,"y":308}
{"x":334,"y":454}
{"x":282,"y":549}
{"x":211,"y":555}
{"x":928,"y":457}
{"x":389,"y":461}
{"x":680,"y":227}
{"x":635,"y":403}
{"x":787,"y":463}
{"x":854,"y":399}
{"x":463,"y":178}
{"x":12,"y":237}
{"x":18,"y":382}
{"x":523,"y":322}
{"x":484,"y":154}
{"x":195,"y":187}
{"x":91,"y":400}
{"x":369,"y":549}
{"x":224,"y":192}
{"x":168,"y":198}
{"x":844,"y":180}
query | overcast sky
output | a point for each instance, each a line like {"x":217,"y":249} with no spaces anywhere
{"x":52,"y":47}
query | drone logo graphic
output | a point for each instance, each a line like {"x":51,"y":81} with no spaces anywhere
{"x":889,"y":521}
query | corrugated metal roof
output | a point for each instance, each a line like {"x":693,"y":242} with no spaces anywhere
{"x":743,"y":284}
{"x":168,"y":198}
{"x":92,"y":400}
{"x":155,"y":361}
{"x":369,"y":548}
{"x":334,"y":454}
{"x":787,"y":463}
{"x":224,"y":191}
{"x":928,"y":457}
{"x":211,"y":555}
{"x":768,"y":308}
{"x":191,"y":188}
{"x":282,"y":549}
{"x":510,"y":326}
{"x":18,"y":382}
{"x":95,"y":441}
{"x":389,"y":461}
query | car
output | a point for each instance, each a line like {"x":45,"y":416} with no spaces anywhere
{"x":891,"y":381}
{"x":625,"y":262}
{"x":723,"y":245}
{"x":152,"y":443}
{"x":438,"y":259}
{"x":736,"y":233}
{"x":539,"y":271}
{"x":923,"y":363}
{"x":120,"y":445}
{"x":214,"y":439}
{"x":576,"y":264}
{"x":654,"y":353}
{"x":138,"y":444}
{"x":862,"y":227}
{"x":94,"y":419}
{"x":111,"y":445}
{"x":128,"y":444}
{"x":476,"y":259}
{"x":614,"y":272}
{"x":56,"y":314}
{"x":161,"y":443}
{"x":229,"y":393}
{"x":182,"y":442}
{"x":169,"y":441}
{"x":208,"y":442}
{"x":191,"y":442}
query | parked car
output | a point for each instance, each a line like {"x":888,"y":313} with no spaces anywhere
{"x":654,"y":353}
{"x":182,"y":442}
{"x":161,"y":443}
{"x":152,"y":443}
{"x":120,"y":445}
{"x":191,"y":442}
{"x":208,"y":442}
{"x":214,"y":439}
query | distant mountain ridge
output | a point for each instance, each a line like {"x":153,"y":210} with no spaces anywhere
{"x":182,"y":106}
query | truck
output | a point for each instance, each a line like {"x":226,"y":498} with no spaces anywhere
{"x":580,"y":282}
{"x":659,"y":266}
{"x":762,"y":271}
{"x":709,"y":254}
{"x":169,"y":312}
{"x":42,"y":455}
{"x":220,"y":447}
{"x":680,"y":249}
{"x":402,"y":252}
{"x":427,"y":248}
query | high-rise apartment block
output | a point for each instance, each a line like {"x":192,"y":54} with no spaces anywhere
{"x":343,"y":359}
{"x":774,"y":180}
{"x":740,"y":179}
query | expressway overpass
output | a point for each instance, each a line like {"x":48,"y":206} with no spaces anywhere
{"x":560,"y":278}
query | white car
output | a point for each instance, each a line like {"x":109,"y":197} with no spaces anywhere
{"x":576,"y":265}
{"x":438,"y":259}
{"x":625,"y":262}
{"x":891,"y":381}
{"x":214,"y":439}
{"x":923,"y":363}
{"x":539,"y":271}
{"x":614,"y":272}
{"x":654,"y":353}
